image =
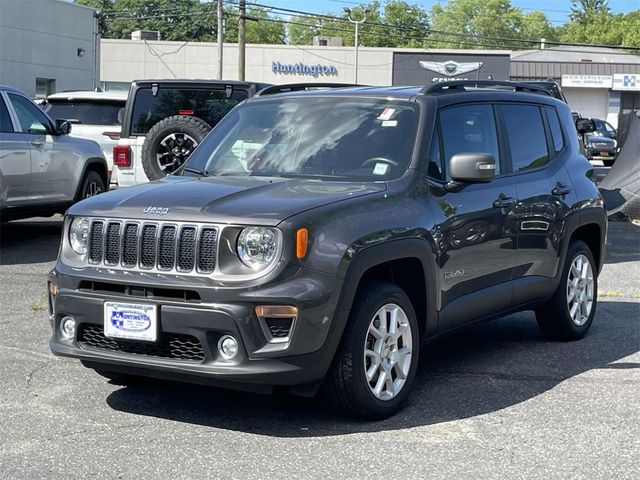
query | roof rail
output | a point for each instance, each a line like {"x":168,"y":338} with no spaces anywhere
{"x":459,"y":85}
{"x":297,"y":87}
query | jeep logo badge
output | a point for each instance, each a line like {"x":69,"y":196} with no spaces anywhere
{"x":156,"y":210}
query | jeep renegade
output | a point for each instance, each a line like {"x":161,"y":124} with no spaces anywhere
{"x":318,"y":239}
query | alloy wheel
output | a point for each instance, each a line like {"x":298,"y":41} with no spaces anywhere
{"x":173,"y":150}
{"x":580,"y":290}
{"x":387,"y":352}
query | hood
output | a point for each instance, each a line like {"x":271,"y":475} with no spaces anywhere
{"x":241,"y":200}
{"x":599,"y":139}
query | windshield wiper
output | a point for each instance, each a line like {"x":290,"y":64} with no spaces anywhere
{"x":202,"y":173}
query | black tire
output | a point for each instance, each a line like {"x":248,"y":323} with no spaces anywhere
{"x":92,"y":184}
{"x":607,"y":163}
{"x":554,"y":317}
{"x":346,"y":386}
{"x":188,"y":133}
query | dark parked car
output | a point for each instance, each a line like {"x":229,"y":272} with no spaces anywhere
{"x":602,"y":144}
{"x":315,"y":240}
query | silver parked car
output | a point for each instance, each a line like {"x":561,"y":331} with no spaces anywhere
{"x":43,"y":170}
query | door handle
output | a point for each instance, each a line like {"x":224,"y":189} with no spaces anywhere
{"x":37,"y":143}
{"x":560,"y":189}
{"x":504,"y":202}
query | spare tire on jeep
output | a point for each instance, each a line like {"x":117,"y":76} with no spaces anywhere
{"x":170,"y":142}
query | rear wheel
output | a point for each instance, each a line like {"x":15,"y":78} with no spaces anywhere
{"x":376,"y":363}
{"x":568,"y":315}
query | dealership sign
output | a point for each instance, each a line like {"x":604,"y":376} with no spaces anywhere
{"x":626,"y":81}
{"x":303,"y":69}
{"x":587,"y":81}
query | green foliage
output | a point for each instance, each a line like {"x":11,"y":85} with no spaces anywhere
{"x":389,"y":23}
{"x":256,"y":31}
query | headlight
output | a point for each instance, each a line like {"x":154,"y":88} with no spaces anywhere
{"x":257,"y":247}
{"x":79,"y":234}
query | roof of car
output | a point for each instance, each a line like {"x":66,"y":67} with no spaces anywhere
{"x":409,"y":92}
{"x":197,"y":82}
{"x":88,"y":95}
{"x":6,"y":88}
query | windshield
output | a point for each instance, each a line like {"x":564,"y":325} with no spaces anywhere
{"x":89,"y":113}
{"x":365,"y":139}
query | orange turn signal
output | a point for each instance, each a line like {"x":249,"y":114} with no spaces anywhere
{"x":276,"y":311}
{"x":302,"y":242}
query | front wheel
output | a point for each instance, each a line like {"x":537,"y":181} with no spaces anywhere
{"x":568,"y":315}
{"x":92,"y":185}
{"x":376,"y":362}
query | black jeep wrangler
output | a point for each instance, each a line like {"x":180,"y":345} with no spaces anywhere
{"x":319,"y":239}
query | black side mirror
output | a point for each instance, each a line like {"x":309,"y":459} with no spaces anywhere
{"x":120,"y":116}
{"x":472,"y":167}
{"x":585,"y":125}
{"x":63,"y":127}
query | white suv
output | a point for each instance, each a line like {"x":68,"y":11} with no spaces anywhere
{"x":94,"y":115}
{"x":165,"y":120}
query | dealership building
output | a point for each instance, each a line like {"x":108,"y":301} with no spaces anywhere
{"x":48,"y":46}
{"x":598,"y":82}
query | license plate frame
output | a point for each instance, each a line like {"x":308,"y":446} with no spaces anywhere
{"x":131,"y":321}
{"x":604,"y":154}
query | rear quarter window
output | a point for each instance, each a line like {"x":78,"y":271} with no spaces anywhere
{"x":554,"y":126}
{"x":5,"y":121}
{"x":208,"y":105}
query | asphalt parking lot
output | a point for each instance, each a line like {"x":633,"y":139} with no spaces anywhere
{"x":497,"y":401}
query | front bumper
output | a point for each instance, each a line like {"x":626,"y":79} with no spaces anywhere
{"x":601,"y":153}
{"x":260,"y":363}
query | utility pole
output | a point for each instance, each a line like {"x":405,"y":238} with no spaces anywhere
{"x":220,"y":39}
{"x":357,"y":24}
{"x":241,"y":35}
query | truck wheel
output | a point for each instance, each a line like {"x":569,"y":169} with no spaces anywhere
{"x":376,"y":363}
{"x":170,"y":142}
{"x":92,"y":185}
{"x":569,"y":313}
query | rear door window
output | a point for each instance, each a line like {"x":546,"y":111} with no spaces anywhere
{"x":526,"y":138}
{"x":208,"y":105}
{"x":85,"y":112}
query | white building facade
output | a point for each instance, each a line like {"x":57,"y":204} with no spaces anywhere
{"x":48,"y":46}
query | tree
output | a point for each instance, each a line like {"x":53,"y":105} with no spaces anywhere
{"x":398,"y":24}
{"x":584,"y":11}
{"x":260,"y":27}
{"x":536,"y":26}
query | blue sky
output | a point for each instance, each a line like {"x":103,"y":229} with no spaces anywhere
{"x":556,"y":10}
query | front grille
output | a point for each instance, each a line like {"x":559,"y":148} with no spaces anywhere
{"x":153,"y":246}
{"x":170,"y":345}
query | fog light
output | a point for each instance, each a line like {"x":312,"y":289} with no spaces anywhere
{"x":68,"y":327}
{"x":228,"y":347}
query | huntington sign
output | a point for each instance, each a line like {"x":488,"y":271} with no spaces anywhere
{"x":303,"y":69}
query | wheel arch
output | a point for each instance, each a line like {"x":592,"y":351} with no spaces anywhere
{"x":94,"y":164}
{"x":408,"y":263}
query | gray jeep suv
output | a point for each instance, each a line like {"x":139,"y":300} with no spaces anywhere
{"x":318,"y":239}
{"x":43,"y":170}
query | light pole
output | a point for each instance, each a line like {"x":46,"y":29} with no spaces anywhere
{"x":357,"y":24}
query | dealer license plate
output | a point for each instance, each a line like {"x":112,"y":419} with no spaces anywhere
{"x":132,"y":321}
{"x":604,"y":154}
